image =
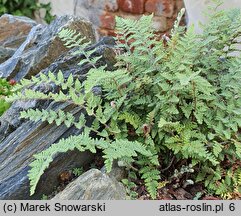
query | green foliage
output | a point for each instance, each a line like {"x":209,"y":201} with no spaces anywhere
{"x":78,"y":171}
{"x":83,"y":142}
{"x":130,"y":185}
{"x":5,"y":90}
{"x":72,"y":39}
{"x":25,"y":8}
{"x":44,"y":197}
{"x":179,"y":97}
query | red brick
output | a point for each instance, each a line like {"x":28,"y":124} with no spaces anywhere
{"x":160,"y":7}
{"x":107,"y":21}
{"x":130,"y":16}
{"x":179,"y":5}
{"x":132,"y":6}
{"x":170,"y":23}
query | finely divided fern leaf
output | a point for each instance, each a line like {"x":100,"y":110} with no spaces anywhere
{"x":44,"y":158}
{"x":151,"y":177}
{"x":73,"y":39}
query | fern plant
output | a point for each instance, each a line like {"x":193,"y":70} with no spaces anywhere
{"x":177,"y":97}
{"x":5,"y":90}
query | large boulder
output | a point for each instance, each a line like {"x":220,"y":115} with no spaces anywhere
{"x":17,"y":150}
{"x":93,"y":185}
{"x":20,"y":140}
{"x":13,"y":32}
{"x":42,"y":47}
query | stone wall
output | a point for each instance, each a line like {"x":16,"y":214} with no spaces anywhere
{"x":102,"y":12}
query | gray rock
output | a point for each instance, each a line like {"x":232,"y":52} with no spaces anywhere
{"x":6,"y":53}
{"x":93,"y":9}
{"x":117,"y":172}
{"x":20,"y":140}
{"x":93,"y":185}
{"x":17,"y":150}
{"x":13,"y":32}
{"x":42,"y":47}
{"x":14,"y":29}
{"x":68,"y":64}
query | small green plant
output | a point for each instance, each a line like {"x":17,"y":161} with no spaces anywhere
{"x":25,"y":8}
{"x":78,"y":171}
{"x":44,"y":197}
{"x":177,"y":98}
{"x":129,"y":188}
{"x":130,"y":185}
{"x":5,"y":90}
{"x":197,"y":196}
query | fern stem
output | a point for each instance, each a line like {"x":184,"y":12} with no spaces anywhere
{"x":194,"y":95}
{"x":169,"y":165}
{"x":118,"y":88}
{"x":90,"y":61}
{"x":106,"y":126}
{"x":135,"y":169}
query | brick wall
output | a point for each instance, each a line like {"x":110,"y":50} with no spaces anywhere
{"x":102,"y":12}
{"x":165,"y":12}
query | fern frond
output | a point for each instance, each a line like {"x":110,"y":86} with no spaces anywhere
{"x":131,"y":118}
{"x":177,"y":22}
{"x":122,"y":149}
{"x":103,"y":78}
{"x":43,"y":159}
{"x":238,"y":148}
{"x":139,"y":40}
{"x":217,"y":149}
{"x":50,"y":116}
{"x":239,"y":178}
{"x":151,"y":177}
{"x":73,"y":39}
